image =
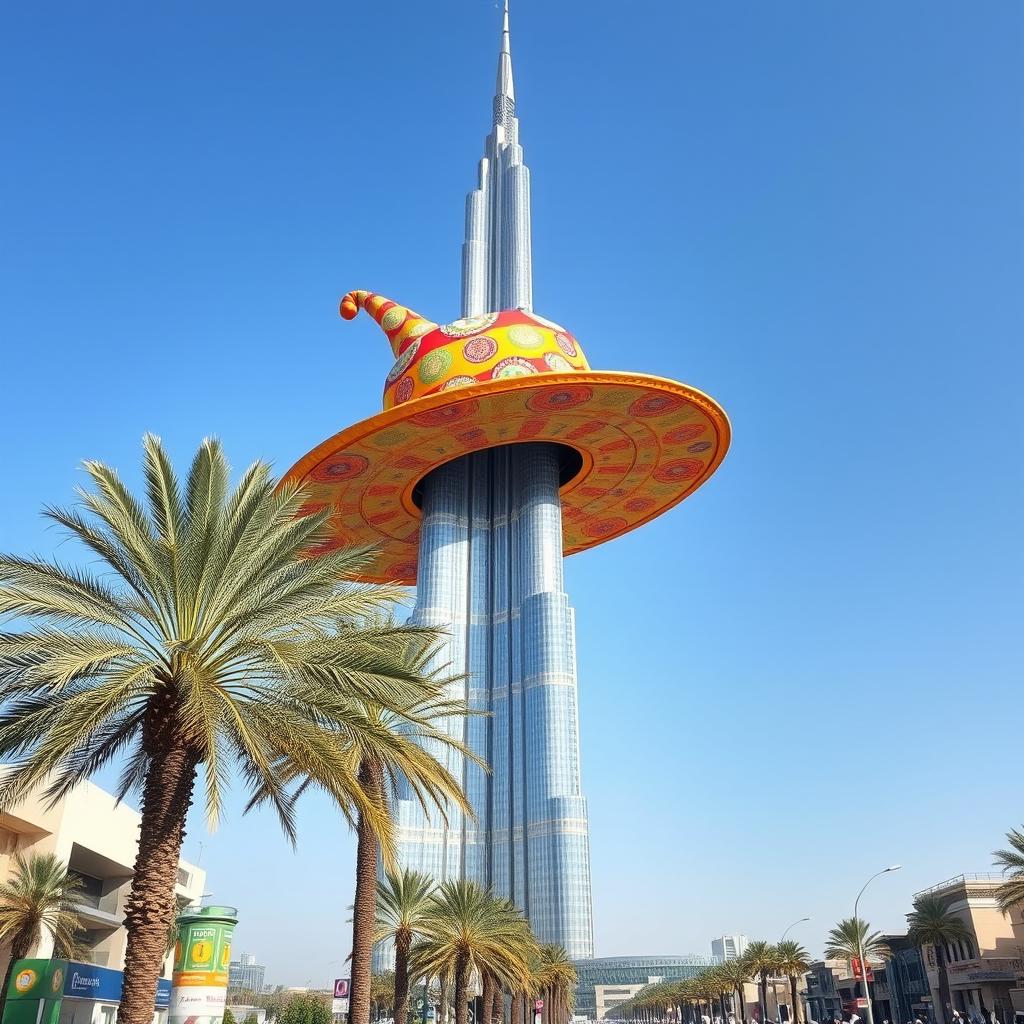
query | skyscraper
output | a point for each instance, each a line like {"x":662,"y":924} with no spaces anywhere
{"x":493,"y":520}
{"x":728,"y":947}
{"x":500,"y":450}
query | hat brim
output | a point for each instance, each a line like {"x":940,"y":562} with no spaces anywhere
{"x":645,"y":443}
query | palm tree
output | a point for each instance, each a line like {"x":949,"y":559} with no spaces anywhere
{"x":794,"y":962}
{"x":395,"y":747}
{"x":761,"y":960}
{"x":469,"y":930}
{"x":737,"y":974}
{"x":930,"y":923}
{"x":850,"y":940}
{"x":210,"y":641}
{"x":402,"y":902}
{"x":38,"y":899}
{"x":554,"y":977}
{"x":1011,"y":893}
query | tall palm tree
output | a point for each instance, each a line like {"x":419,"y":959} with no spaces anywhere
{"x":930,"y":923}
{"x":469,"y":930}
{"x":737,"y":974}
{"x":761,"y":961}
{"x":851,"y":940}
{"x":1011,"y":893}
{"x":794,"y":962}
{"x":402,"y":902}
{"x":207,"y":640}
{"x":38,"y":899}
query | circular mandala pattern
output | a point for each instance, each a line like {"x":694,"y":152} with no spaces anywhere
{"x":479,"y":349}
{"x":469,"y":325}
{"x":446,"y":414}
{"x":403,"y":361}
{"x":525,"y":337}
{"x":435,"y":365}
{"x":513,"y":366}
{"x":405,"y":389}
{"x":687,"y":432}
{"x":655,"y":405}
{"x":698,"y":446}
{"x":567,"y":344}
{"x":339,"y":467}
{"x":423,"y":327}
{"x":605,"y":527}
{"x":457,"y":382}
{"x":561,"y":398}
{"x":546,"y":323}
{"x":392,"y":318}
{"x":557,"y":363}
{"x":639,"y":504}
{"x":680,"y":469}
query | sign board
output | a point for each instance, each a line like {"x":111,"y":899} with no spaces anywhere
{"x":202,"y":953}
{"x":339,"y":1006}
{"x":341,"y":988}
{"x":858,"y":970}
{"x":538,"y":1004}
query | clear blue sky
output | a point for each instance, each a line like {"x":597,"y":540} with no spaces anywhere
{"x":813,"y":211}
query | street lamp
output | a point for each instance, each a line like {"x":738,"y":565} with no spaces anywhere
{"x":860,"y":946}
{"x":792,"y":926}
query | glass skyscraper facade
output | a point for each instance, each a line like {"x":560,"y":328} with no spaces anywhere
{"x":490,"y":571}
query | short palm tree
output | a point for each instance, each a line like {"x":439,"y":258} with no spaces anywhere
{"x":402,"y":902}
{"x":554,"y":978}
{"x":470,"y":930}
{"x":930,"y":923}
{"x":207,"y":640}
{"x":851,"y":940}
{"x":38,"y":899}
{"x":737,"y":974}
{"x":1011,"y":860}
{"x":761,"y":961}
{"x":794,"y":962}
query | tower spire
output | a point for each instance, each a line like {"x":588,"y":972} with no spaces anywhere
{"x":505,"y":88}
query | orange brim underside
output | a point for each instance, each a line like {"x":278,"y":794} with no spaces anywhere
{"x":646,"y":443}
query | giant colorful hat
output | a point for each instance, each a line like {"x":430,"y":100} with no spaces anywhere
{"x":637,"y":444}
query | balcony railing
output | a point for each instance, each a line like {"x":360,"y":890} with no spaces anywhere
{"x":977,"y":876}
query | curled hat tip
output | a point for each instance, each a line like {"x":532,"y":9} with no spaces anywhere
{"x":350,"y":305}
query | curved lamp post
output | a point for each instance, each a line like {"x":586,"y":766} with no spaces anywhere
{"x":792,"y":926}
{"x":860,"y":946}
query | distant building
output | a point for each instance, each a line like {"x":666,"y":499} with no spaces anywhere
{"x":245,"y":975}
{"x":728,"y":947}
{"x":614,"y":979}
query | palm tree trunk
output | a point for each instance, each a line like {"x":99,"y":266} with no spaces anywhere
{"x":762,"y":992}
{"x":364,"y":909}
{"x":742,"y":1004}
{"x":402,"y":941}
{"x":151,"y":906}
{"x":797,"y":1014}
{"x":498,"y":1009}
{"x":487,"y":1000}
{"x":944,"y":996}
{"x":19,"y":950}
{"x":518,"y":1002}
{"x":442,"y":1010}
{"x":461,"y":985}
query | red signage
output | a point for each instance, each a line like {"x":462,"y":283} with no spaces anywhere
{"x":538,"y":1004}
{"x":858,"y":970}
{"x":341,"y":988}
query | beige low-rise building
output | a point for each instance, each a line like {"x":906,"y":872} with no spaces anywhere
{"x":98,"y":839}
{"x":984,"y":969}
